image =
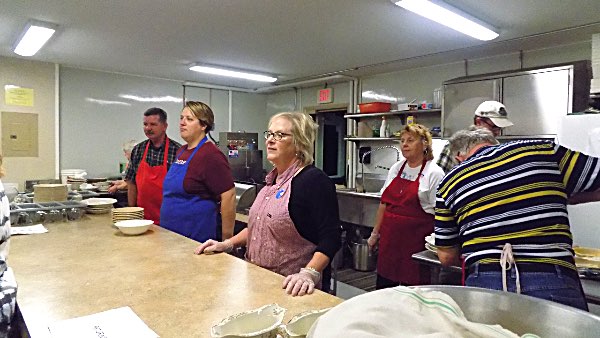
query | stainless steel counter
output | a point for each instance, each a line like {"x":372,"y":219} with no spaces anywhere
{"x":370,"y":195}
{"x":591,"y":288}
{"x":358,"y":208}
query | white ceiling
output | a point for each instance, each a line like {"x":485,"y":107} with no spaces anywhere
{"x":292,"y":39}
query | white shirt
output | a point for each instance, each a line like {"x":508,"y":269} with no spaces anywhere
{"x":430,"y":178}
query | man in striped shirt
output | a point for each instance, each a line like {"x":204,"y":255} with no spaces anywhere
{"x":504,"y":208}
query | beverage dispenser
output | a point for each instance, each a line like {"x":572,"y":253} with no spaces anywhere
{"x":245,"y":160}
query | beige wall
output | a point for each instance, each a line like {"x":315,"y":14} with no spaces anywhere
{"x":40,"y":77}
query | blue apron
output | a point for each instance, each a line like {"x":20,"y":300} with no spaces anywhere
{"x":186,"y":214}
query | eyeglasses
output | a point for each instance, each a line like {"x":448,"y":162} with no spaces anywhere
{"x":277,"y":136}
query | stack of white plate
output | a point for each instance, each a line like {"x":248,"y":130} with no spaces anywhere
{"x":124,"y":214}
{"x":430,"y":243}
{"x":99,"y":205}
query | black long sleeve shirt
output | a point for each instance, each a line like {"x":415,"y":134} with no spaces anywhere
{"x":314,"y":210}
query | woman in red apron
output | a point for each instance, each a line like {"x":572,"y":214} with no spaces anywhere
{"x":293,"y":226}
{"x":406,"y":213}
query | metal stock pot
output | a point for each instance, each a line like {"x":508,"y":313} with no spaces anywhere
{"x":521,"y":314}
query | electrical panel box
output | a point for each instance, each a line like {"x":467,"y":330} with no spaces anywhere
{"x":19,"y":134}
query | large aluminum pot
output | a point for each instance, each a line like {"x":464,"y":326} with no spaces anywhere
{"x":363,"y":258}
{"x":521,"y":314}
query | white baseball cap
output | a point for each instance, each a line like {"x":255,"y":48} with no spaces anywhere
{"x":496,"y":112}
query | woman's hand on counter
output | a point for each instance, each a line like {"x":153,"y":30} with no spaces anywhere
{"x":301,"y":283}
{"x":212,"y":246}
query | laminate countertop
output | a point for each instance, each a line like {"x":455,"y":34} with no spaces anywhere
{"x":83,"y":267}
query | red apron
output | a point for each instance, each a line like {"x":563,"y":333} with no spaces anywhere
{"x":403,"y":229}
{"x":149,"y":182}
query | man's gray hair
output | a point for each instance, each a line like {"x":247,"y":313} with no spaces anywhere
{"x":464,"y":140}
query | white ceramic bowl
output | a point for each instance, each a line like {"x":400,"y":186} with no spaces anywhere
{"x":301,"y":323}
{"x":134,"y":226}
{"x":259,"y":323}
{"x":99,"y":202}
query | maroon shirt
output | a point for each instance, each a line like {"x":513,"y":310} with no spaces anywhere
{"x":208,"y":174}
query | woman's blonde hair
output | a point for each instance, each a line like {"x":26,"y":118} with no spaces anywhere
{"x":203,"y":113}
{"x":304,"y":133}
{"x":425,"y":135}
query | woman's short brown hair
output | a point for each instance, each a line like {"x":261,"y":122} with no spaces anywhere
{"x":203,"y":113}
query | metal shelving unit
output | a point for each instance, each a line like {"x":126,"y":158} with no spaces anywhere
{"x":392,"y":113}
{"x":356,"y":139}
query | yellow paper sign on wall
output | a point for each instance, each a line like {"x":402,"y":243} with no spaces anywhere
{"x":18,"y":96}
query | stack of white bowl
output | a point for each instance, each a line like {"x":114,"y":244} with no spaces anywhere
{"x":127,"y":213}
{"x":99,"y":205}
{"x":73,"y":173}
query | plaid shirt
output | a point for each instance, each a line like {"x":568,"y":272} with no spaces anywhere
{"x":446,"y":160}
{"x":154,"y":157}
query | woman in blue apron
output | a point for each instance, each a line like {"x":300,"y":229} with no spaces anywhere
{"x":198,"y":182}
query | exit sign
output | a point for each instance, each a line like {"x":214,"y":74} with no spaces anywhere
{"x":325,"y":95}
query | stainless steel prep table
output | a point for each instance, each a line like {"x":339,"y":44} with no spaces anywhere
{"x":591,"y":288}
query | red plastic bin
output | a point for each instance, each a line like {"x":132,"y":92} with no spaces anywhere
{"x":374,"y":107}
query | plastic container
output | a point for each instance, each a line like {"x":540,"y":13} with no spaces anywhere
{"x":384,"y":130}
{"x":375,"y":107}
{"x":437,"y":98}
{"x":364,"y":130}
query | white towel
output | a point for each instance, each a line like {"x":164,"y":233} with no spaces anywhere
{"x":402,"y":312}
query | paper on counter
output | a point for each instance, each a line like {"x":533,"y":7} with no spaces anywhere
{"x":28,"y":230}
{"x":115,"y":323}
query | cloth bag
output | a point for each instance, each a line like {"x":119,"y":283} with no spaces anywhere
{"x":402,"y":312}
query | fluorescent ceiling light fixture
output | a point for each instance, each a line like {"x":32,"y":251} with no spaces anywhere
{"x":231,"y":73}
{"x":35,"y":35}
{"x":107,"y":102}
{"x":167,"y":98}
{"x":454,"y":18}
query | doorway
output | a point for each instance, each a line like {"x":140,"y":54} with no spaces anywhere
{"x":330,"y":148}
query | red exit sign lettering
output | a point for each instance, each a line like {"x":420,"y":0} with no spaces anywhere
{"x":325,"y":95}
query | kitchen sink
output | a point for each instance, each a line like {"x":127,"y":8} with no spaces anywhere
{"x":358,"y":208}
{"x":371,"y":183}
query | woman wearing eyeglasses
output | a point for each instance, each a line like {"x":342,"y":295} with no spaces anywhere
{"x":199,"y":182}
{"x":293,"y":227}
